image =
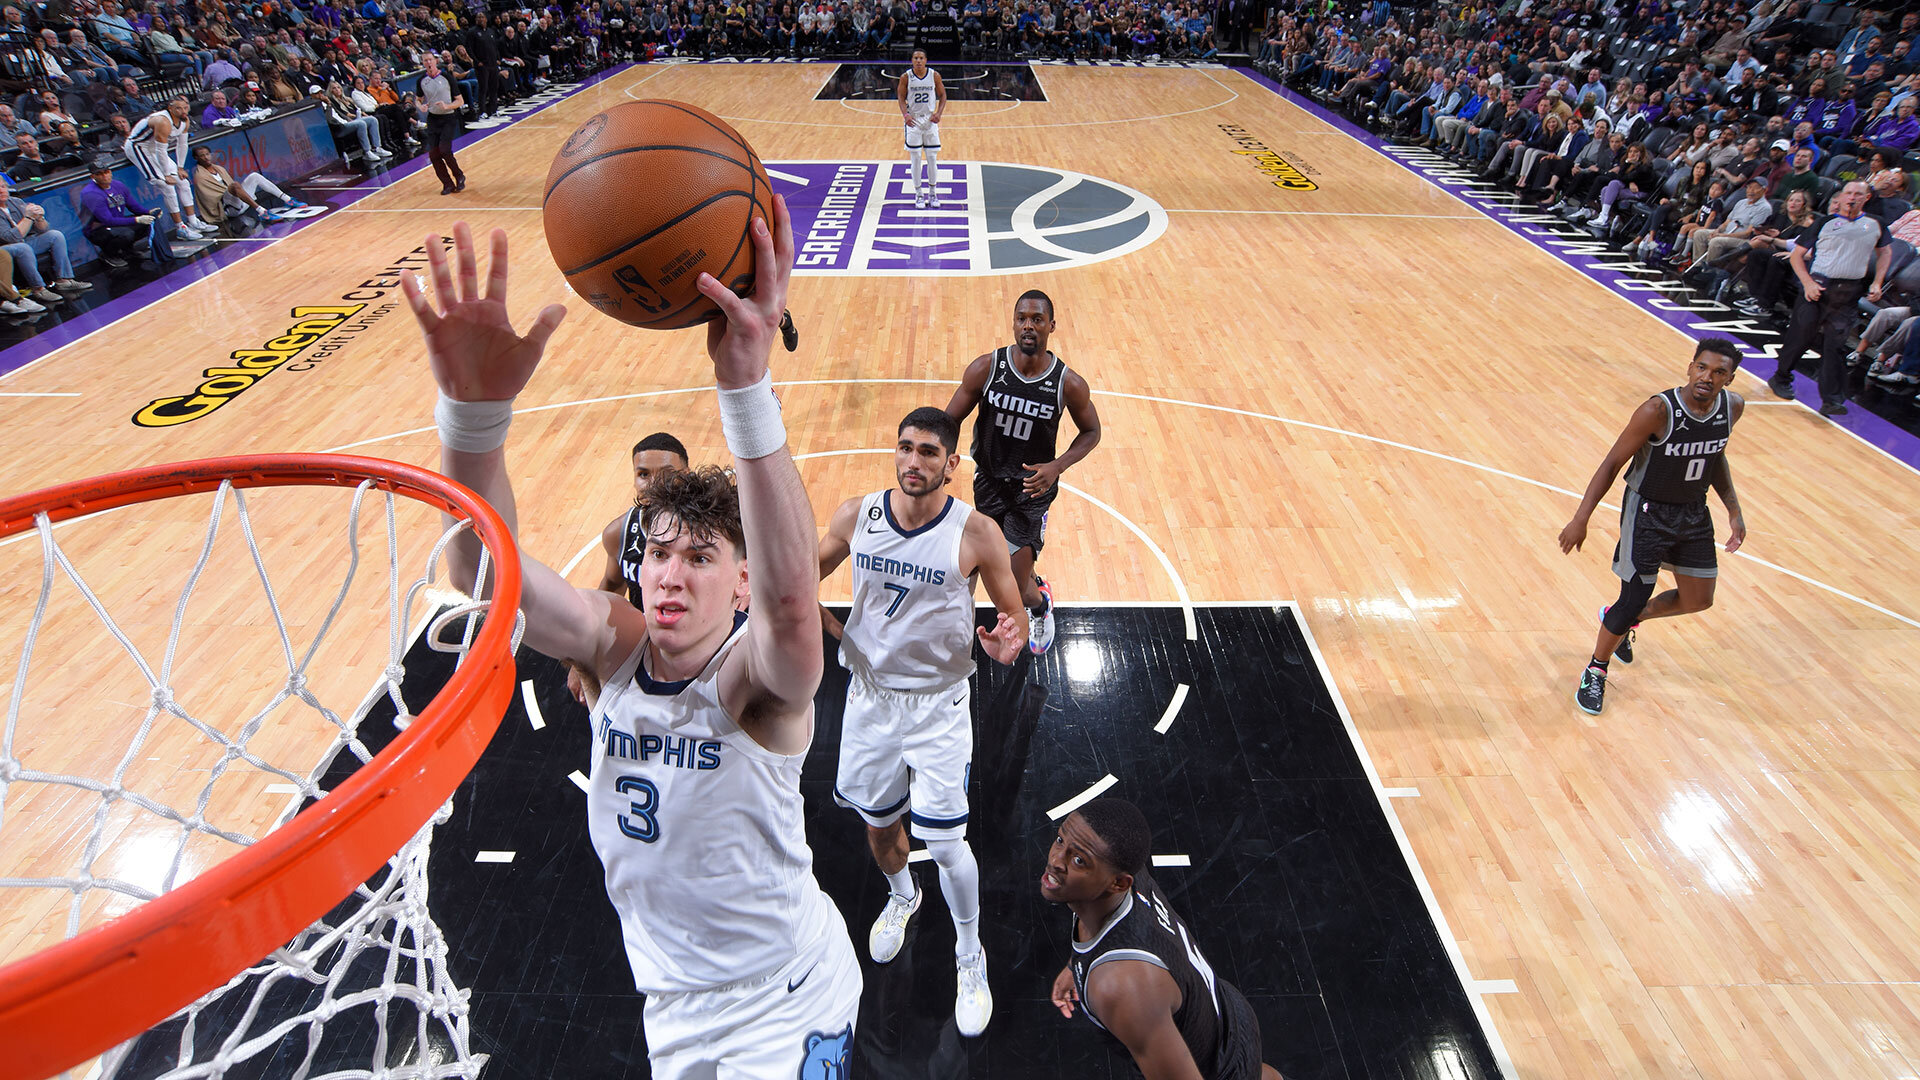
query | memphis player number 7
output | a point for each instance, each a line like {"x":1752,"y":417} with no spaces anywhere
{"x":899,"y":593}
{"x":1014,"y":427}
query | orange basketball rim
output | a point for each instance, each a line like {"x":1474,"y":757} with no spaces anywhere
{"x":75,"y":1000}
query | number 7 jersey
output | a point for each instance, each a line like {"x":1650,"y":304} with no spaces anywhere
{"x":911,"y":628}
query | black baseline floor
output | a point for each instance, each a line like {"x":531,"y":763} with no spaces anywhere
{"x":1295,"y":888}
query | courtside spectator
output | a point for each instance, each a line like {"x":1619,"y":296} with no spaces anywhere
{"x":111,"y":218}
{"x":1731,"y":231}
{"x":30,"y":164}
{"x":11,"y":302}
{"x":219,"y":196}
{"x":115,"y":139}
{"x":217,"y":110}
{"x":24,"y":233}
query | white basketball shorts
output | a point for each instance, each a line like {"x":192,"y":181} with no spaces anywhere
{"x":907,"y":753}
{"x":153,"y":162}
{"x":797,"y":1022}
{"x":923,"y":136}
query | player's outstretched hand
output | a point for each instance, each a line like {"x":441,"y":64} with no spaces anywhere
{"x":1738,"y":535}
{"x":1065,"y":996}
{"x":471,"y":345}
{"x":1005,"y":640}
{"x":739,"y":343}
{"x":1573,"y":536}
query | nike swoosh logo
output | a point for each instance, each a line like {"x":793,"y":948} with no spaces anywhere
{"x":795,"y":984}
{"x":876,"y":528}
{"x":959,"y":699}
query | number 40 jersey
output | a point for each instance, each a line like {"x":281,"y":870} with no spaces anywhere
{"x":911,"y":627}
{"x":1019,"y":422}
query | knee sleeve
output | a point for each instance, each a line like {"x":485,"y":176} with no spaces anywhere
{"x":1626,"y":610}
{"x":170,"y":198}
{"x":913,"y":165}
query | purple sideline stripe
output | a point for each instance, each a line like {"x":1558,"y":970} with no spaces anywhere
{"x":1871,"y":429}
{"x":225,"y":255}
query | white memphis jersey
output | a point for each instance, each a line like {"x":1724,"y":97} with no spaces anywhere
{"x":911,"y":627}
{"x":147,"y":131}
{"x":700,"y":831}
{"x":920,"y":94}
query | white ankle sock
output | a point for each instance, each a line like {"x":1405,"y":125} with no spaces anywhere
{"x":901,"y":883}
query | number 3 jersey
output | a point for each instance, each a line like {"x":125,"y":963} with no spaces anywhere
{"x":700,"y":830}
{"x":911,"y":627}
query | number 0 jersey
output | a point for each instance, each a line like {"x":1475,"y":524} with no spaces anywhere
{"x":1019,"y":421}
{"x":911,"y":628}
{"x":1681,"y":463}
{"x":700,"y":831}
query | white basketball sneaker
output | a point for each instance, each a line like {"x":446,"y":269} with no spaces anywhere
{"x":919,"y":199}
{"x":973,"y":1004}
{"x":1040,"y":627}
{"x":890,"y":929}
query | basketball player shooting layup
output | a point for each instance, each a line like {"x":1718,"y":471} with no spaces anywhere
{"x":923,"y":97}
{"x":1135,"y":970}
{"x":694,"y":799}
{"x":1021,"y":391}
{"x":1674,"y":448}
{"x":906,"y":746}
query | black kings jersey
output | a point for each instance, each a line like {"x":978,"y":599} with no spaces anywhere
{"x":1145,"y":928}
{"x":1019,"y":420}
{"x":633,"y":549}
{"x":1680,"y":464}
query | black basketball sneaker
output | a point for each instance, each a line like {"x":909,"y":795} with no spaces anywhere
{"x":1592,"y":695}
{"x":789,"y":333}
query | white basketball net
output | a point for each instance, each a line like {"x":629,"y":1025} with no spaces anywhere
{"x":377,"y":961}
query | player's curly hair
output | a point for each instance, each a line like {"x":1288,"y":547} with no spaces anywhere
{"x":1123,"y":829}
{"x":702,"y":502}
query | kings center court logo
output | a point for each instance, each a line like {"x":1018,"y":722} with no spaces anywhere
{"x":859,"y":217}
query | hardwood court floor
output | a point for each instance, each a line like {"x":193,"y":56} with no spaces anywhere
{"x":1365,"y":398}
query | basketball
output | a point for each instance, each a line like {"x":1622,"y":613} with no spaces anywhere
{"x":644,"y":197}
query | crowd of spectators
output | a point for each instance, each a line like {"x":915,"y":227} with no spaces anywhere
{"x":982,"y":28}
{"x":80,"y":75}
{"x":83,"y":63}
{"x":1760,"y":151}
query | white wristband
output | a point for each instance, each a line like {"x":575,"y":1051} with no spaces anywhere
{"x":473,"y":427}
{"x":750,"y":417}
